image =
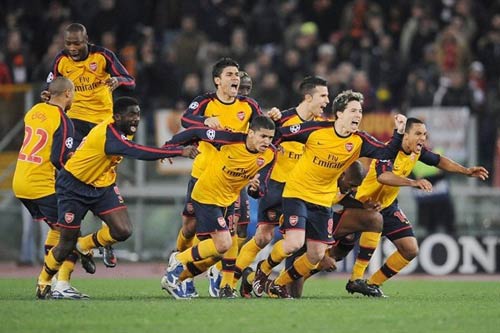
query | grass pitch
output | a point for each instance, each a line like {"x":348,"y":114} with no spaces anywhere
{"x":138,"y":305}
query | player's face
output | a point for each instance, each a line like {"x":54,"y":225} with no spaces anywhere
{"x":75,"y":44}
{"x":259,"y":140}
{"x":228,"y":82}
{"x":128,"y":121}
{"x":351,"y":117}
{"x":319,"y":100}
{"x":414,"y":140}
{"x":245,"y":86}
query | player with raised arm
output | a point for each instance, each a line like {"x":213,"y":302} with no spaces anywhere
{"x":382,"y":184}
{"x":87,"y":182}
{"x":330,"y":147}
{"x":233,"y":167}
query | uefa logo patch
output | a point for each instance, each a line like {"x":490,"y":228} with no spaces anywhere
{"x":69,"y":142}
{"x":293,"y":220}
{"x":93,"y":66}
{"x":221,"y":221}
{"x":69,"y":217}
{"x":349,"y":146}
{"x":211,"y":134}
{"x":295,"y":128}
{"x":194,"y":105}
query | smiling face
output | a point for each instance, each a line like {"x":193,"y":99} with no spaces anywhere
{"x":414,"y":139}
{"x":259,"y":140}
{"x":128,"y":121}
{"x":227,"y":84}
{"x":349,"y":120}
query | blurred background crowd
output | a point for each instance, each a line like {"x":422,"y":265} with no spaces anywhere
{"x":398,"y":53}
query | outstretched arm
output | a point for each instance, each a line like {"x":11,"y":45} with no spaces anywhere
{"x":449,"y":165}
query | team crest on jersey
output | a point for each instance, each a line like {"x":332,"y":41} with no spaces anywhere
{"x":50,"y":77}
{"x":93,"y":66}
{"x":349,"y":146}
{"x":221,"y":221}
{"x":193,"y":105}
{"x":293,"y":220}
{"x":295,"y":128}
{"x":69,"y":142}
{"x":271,"y":215}
{"x":260,"y":161}
{"x":330,"y":227}
{"x":69,"y":217}
{"x":211,"y":134}
{"x":241,"y":115}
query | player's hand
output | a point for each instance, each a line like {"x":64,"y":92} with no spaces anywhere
{"x":422,"y":184}
{"x":254,"y":183}
{"x":274,"y":114}
{"x":478,"y":172}
{"x":112,"y":83}
{"x":400,"y":123}
{"x":327,"y":264}
{"x":190,"y":151}
{"x":213,"y":122}
{"x":370,"y":204}
{"x":45,"y":96}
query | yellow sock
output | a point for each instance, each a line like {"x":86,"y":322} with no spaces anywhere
{"x":104,"y":236}
{"x":300,"y":268}
{"x":206,"y":248}
{"x":277,"y":255}
{"x":183,"y":243}
{"x":247,"y":254}
{"x":228,"y":262}
{"x":100,"y":238}
{"x":367,"y":244}
{"x":198,"y":267}
{"x":65,"y":271}
{"x":50,"y":268}
{"x":241,"y":241}
{"x":395,"y":263}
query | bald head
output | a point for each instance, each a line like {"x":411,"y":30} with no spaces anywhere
{"x":60,"y":85}
{"x":76,"y":27}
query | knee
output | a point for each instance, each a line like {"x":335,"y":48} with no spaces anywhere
{"x":292,"y":245}
{"x":375,"y":222}
{"x":121,"y":233}
{"x":63,"y":249}
{"x":188,"y":226}
{"x":263,"y":238}
{"x":409,"y":252}
{"x":224,"y":244}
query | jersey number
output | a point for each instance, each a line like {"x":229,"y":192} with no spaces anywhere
{"x":42,"y":137}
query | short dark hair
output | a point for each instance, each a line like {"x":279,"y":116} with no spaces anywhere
{"x":340,"y":102}
{"x":221,"y":64}
{"x":309,"y":83}
{"x":121,"y":104}
{"x":262,"y":122}
{"x":76,"y":27}
{"x":244,"y":76}
{"x":410,"y":122}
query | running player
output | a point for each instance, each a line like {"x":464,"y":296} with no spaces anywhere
{"x":382,"y":183}
{"x":87,"y":182}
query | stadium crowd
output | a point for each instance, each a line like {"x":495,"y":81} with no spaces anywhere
{"x":399,"y":54}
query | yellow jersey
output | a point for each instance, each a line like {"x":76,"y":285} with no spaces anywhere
{"x":402,"y":165}
{"x":326,"y":156}
{"x":48,"y":139}
{"x":234,"y":117}
{"x":93,"y":100}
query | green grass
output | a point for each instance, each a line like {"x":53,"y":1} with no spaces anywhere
{"x":138,"y":305}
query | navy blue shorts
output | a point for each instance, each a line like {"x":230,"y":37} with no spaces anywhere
{"x":396,"y":224}
{"x":44,"y":208}
{"x":75,"y":199}
{"x":212,"y":218}
{"x":270,"y":205}
{"x":242,"y":207}
{"x":316,"y":220}
{"x":188,"y":205}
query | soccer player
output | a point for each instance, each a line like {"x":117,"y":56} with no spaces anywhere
{"x":330,"y":147}
{"x":96,"y":72}
{"x":87,"y":182}
{"x":382,"y":183}
{"x":48,"y":141}
{"x":222,"y":109}
{"x":237,"y":164}
{"x":314,"y":92}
